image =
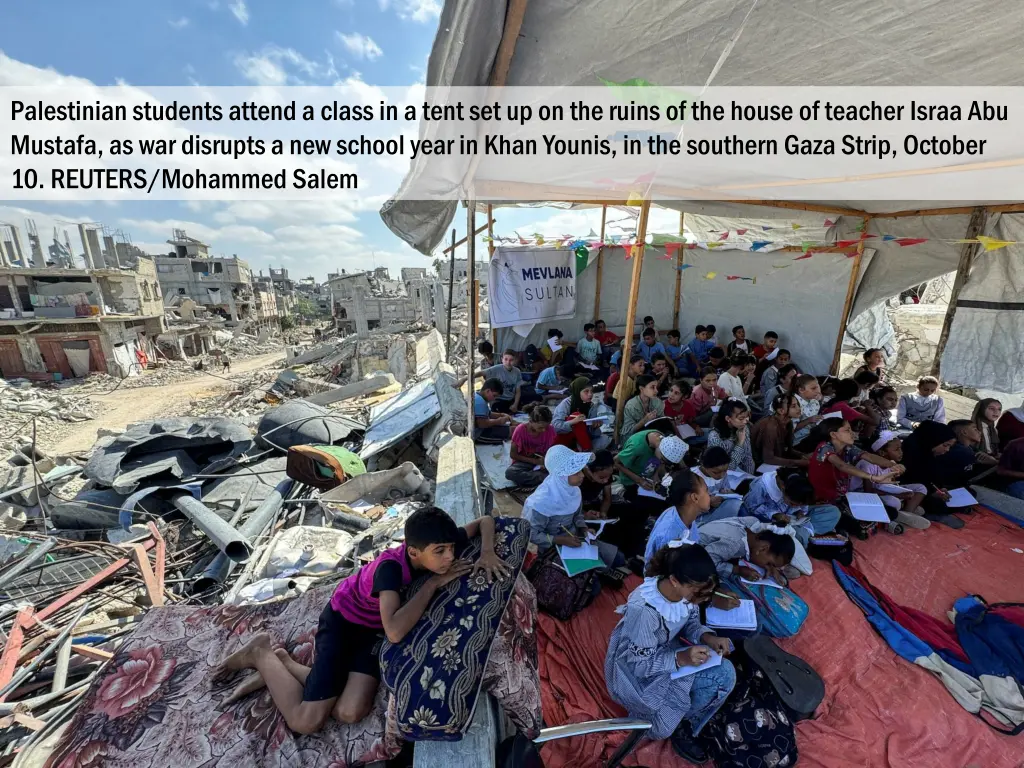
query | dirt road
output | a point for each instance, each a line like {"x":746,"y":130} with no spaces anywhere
{"x":122,"y":407}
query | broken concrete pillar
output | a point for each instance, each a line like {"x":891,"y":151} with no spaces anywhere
{"x":398,"y":364}
{"x":426,"y":310}
{"x":359,"y":312}
{"x":440,"y":316}
{"x":355,"y":389}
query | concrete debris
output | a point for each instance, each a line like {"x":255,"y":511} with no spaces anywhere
{"x":217,"y":519}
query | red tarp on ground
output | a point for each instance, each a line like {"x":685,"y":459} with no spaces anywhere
{"x":878,"y":710}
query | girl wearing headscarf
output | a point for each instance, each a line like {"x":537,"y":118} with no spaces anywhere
{"x":555,"y":509}
{"x":1011,"y":425}
{"x":570,"y":416}
{"x":929,"y":441}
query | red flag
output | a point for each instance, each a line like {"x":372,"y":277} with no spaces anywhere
{"x":911,"y":240}
{"x":741,"y":232}
{"x":805,"y":256}
{"x":847,"y":243}
{"x":725,"y":236}
{"x":671,"y":248}
{"x":733,"y":277}
{"x":629,"y":251}
{"x":829,"y":223}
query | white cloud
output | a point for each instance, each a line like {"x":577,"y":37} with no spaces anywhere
{"x":274,"y":65}
{"x":421,"y":11}
{"x":240,"y":11}
{"x":179,"y":23}
{"x":360,"y":46}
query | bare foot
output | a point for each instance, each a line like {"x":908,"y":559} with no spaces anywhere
{"x":253,"y":682}
{"x":245,"y":656}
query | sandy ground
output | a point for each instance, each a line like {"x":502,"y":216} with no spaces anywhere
{"x":123,"y":407}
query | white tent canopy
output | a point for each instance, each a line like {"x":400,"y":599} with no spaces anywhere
{"x":770,"y":43}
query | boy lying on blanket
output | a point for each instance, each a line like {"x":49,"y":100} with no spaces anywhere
{"x":364,"y":608}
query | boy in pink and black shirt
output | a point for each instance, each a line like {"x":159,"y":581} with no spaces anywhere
{"x":367,"y":606}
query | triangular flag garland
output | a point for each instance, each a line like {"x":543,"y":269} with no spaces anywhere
{"x":991,"y":244}
{"x":710,"y":275}
{"x":905,"y":241}
{"x":681,"y":267}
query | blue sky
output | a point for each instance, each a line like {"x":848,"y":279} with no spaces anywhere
{"x":242,"y":42}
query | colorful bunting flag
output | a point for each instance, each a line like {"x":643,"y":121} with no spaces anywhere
{"x":807,"y":245}
{"x":805,"y":256}
{"x":797,"y":226}
{"x":733,"y":277}
{"x":671,"y":248}
{"x":681,"y":267}
{"x":829,"y":223}
{"x":759,"y":244}
{"x":741,"y":232}
{"x":991,"y":244}
{"x":725,"y":235}
{"x":713,"y":245}
{"x":846,"y":243}
{"x":629,"y":251}
{"x":710,"y":275}
{"x":635,"y":199}
{"x":767,"y":229}
{"x":887,"y":238}
{"x":905,"y":241}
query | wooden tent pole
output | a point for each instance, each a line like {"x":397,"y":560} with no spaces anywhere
{"x":490,"y":255}
{"x":634,"y":297}
{"x":679,"y":277}
{"x":488,"y":226}
{"x":600,"y":264}
{"x":851,"y":291}
{"x":968,"y":252}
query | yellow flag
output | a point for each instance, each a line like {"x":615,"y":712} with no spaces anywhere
{"x":797,"y":226}
{"x":991,"y":244}
{"x":714,"y":244}
{"x":710,"y":275}
{"x":635,"y":198}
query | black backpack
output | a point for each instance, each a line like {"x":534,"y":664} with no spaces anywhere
{"x":752,"y":729}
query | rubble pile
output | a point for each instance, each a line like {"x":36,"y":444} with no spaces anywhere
{"x":55,"y":411}
{"x":228,"y":505}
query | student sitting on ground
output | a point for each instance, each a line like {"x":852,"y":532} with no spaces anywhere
{"x":732,"y":382}
{"x":780,"y":613}
{"x":906,"y":504}
{"x":642,"y":409}
{"x":923,"y":405}
{"x":555,"y":357}
{"x":961,"y":464}
{"x":986,"y":415}
{"x":714,"y":469}
{"x":698,"y":348}
{"x":718,"y":360}
{"x":514,"y":395}
{"x":679,"y":408}
{"x":489,"y":427}
{"x":766,"y":347}
{"x":1010,"y":425}
{"x":645,"y":458}
{"x":486,"y":350}
{"x":688,"y":500}
{"x":530,"y":443}
{"x":649,"y":324}
{"x":571,"y":414}
{"x":769,"y":376}
{"x":625,"y":386}
{"x":921,"y":450}
{"x":860,"y":418}
{"x":649,"y":345}
{"x":675,"y":350}
{"x":786,"y":497}
{"x":552,"y":382}
{"x":615,"y":361}
{"x":597,"y":486}
{"x":771,"y":439}
{"x":366,"y":607}
{"x":739,"y":342}
{"x":588,"y":349}
{"x":880,"y":405}
{"x":874,"y":362}
{"x":1009,"y":477}
{"x":833,"y":464}
{"x":731,"y":432}
{"x":712,"y":337}
{"x":866,"y":381}
{"x":807,"y":389}
{"x":555,"y":509}
{"x":662,"y":370}
{"x":648,"y":645}
{"x":783,"y":385}
{"x":606,"y":337}
{"x":706,"y":396}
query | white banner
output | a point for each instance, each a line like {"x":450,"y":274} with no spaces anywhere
{"x":532,"y":285}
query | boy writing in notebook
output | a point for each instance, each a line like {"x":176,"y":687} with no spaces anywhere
{"x":366,"y":607}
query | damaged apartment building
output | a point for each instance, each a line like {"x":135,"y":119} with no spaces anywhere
{"x":63,"y":322}
{"x":224,"y":287}
{"x":359,"y":301}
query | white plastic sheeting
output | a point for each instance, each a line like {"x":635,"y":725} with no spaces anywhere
{"x":987,"y":336}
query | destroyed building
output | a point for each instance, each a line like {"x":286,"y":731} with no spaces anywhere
{"x":224,"y":286}
{"x":66,"y":323}
{"x":284,"y":290}
{"x":357,"y":296}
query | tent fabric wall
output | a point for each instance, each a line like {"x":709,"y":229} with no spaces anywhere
{"x":807,"y":319}
{"x":985,"y":342}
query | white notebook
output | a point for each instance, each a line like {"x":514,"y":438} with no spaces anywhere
{"x":714,"y":660}
{"x":743,"y":616}
{"x":867,"y":507}
{"x":961,"y":497}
